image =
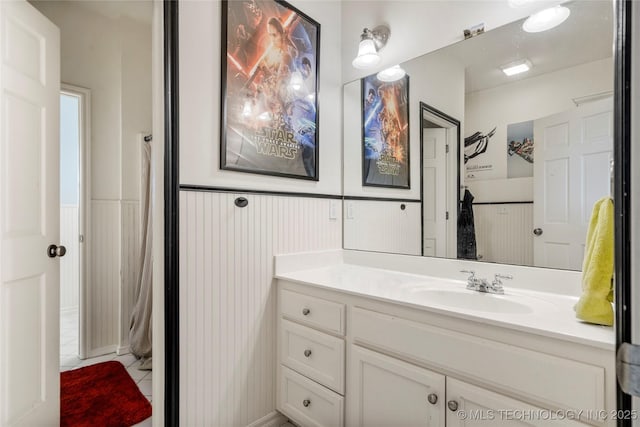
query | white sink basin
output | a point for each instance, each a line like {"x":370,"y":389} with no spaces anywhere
{"x":474,"y":301}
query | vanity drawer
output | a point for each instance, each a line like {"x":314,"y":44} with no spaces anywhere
{"x":314,"y":354}
{"x":541,"y":377}
{"x":308,"y":403}
{"x":313,"y":311}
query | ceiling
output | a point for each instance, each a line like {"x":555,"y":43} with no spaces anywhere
{"x":138,"y":10}
{"x":587,"y":35}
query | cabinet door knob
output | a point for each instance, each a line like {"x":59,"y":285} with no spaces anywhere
{"x":452,"y":405}
{"x":537,"y":231}
{"x":307,"y":353}
{"x":432,"y":398}
{"x":306,"y":403}
{"x":306,"y":311}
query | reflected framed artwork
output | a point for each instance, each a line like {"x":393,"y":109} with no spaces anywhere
{"x":385,"y":133}
{"x":270,"y":64}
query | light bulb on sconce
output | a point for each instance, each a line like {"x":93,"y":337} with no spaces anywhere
{"x":391,"y":74}
{"x":371,"y":41}
{"x":546,"y":19}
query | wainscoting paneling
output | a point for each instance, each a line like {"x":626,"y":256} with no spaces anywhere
{"x":227,"y":299}
{"x":382,"y":226}
{"x":504,"y":233}
{"x":69,"y":264}
{"x":130,"y":267}
{"x":104,"y":283}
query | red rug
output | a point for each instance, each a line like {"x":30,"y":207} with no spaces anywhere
{"x":101,"y":395}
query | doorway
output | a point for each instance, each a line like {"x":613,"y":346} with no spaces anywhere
{"x":439,"y":137}
{"x":74,"y":143}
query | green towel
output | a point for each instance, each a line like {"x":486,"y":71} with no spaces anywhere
{"x":594,"y":305}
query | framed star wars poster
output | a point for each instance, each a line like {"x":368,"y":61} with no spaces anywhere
{"x":385,"y":133}
{"x":270,"y":64}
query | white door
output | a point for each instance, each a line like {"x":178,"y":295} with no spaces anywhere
{"x":434,"y":197}
{"x":29,"y":217}
{"x":387,"y":392}
{"x":571,"y":172}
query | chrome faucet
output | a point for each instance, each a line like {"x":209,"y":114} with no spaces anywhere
{"x":482,"y":285}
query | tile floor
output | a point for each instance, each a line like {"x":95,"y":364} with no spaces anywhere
{"x":69,"y":357}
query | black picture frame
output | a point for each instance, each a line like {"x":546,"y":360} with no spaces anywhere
{"x":384,"y":164}
{"x":270,"y":67}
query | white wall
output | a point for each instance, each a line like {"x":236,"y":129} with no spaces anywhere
{"x":228,"y":301}
{"x":69,"y":268}
{"x":382,"y":226}
{"x":520,"y":101}
{"x":200,"y":102}
{"x":111,"y":56}
{"x":226,"y":253}
{"x":433,"y":79}
{"x":419,"y":26}
{"x":503,"y":233}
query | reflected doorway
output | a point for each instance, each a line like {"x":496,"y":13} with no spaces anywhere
{"x":440,"y":136}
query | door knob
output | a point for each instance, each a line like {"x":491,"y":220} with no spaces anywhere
{"x":537,"y":231}
{"x":54,"y":251}
{"x":307,"y":353}
{"x":432,"y":398}
{"x":306,"y":403}
{"x":452,"y":405}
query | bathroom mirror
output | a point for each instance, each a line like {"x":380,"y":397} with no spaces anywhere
{"x":529,"y":154}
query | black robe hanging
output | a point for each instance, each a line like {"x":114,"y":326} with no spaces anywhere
{"x":466,"y":229}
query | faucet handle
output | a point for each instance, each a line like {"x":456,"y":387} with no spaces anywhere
{"x":472,"y":273}
{"x":498,"y":276}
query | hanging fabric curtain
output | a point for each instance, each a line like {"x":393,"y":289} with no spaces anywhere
{"x":140,"y":326}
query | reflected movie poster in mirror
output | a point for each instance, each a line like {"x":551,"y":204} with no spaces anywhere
{"x":269,"y":89}
{"x":385,"y":132}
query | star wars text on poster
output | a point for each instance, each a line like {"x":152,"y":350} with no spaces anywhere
{"x":276,"y":143}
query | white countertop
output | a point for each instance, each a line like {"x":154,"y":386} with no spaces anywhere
{"x":540,"y":313}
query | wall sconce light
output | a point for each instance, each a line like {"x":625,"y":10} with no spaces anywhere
{"x":546,"y":19}
{"x":371,"y":41}
{"x":391,"y":74}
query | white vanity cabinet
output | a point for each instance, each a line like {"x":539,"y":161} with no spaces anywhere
{"x":311,"y":355}
{"x":389,"y":392}
{"x":373,"y":362}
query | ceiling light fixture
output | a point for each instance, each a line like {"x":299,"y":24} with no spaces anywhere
{"x":518,"y":67}
{"x":546,"y":19}
{"x":371,"y":41}
{"x":391,"y":74}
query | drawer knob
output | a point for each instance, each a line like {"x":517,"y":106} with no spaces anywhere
{"x":307,"y":353}
{"x":452,"y":405}
{"x":306,"y":311}
{"x":432,"y":398}
{"x":306,"y":403}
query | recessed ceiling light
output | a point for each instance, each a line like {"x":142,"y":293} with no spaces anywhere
{"x":546,"y":19}
{"x":516,"y":67}
{"x":391,"y":74}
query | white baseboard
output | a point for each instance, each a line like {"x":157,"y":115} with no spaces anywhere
{"x":122,"y":350}
{"x":102,"y":351}
{"x":273,"y":419}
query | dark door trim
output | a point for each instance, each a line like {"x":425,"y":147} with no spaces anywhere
{"x":171,"y":194}
{"x":622,"y":180}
